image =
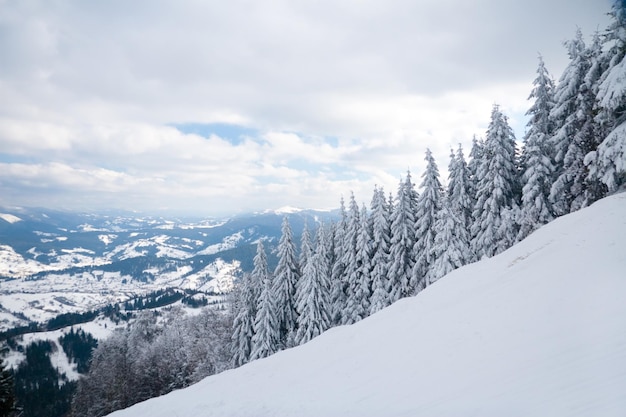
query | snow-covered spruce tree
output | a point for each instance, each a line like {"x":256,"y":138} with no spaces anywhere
{"x":249,"y":293}
{"x":285,"y":280}
{"x":567,"y":189}
{"x":494,"y":228}
{"x":352,"y":273}
{"x":428,"y":204}
{"x":313,"y":293}
{"x":535,"y":208}
{"x":359,"y":285}
{"x":572,"y":189}
{"x":338,"y":268}
{"x":451,"y":249}
{"x":381,"y":240}
{"x":266,"y":339}
{"x":460,"y":199}
{"x":475,"y":159}
{"x":306,"y":249}
{"x":608,"y":163}
{"x":401,"y":256}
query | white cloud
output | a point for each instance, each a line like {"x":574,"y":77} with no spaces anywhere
{"x":343,"y":95}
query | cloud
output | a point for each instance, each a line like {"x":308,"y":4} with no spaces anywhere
{"x":332,"y":96}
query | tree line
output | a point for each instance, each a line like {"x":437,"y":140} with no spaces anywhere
{"x":574,"y":153}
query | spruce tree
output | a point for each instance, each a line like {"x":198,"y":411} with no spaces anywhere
{"x":359,"y":286}
{"x":286,"y":277}
{"x":266,"y":339}
{"x":494,"y":227}
{"x":249,"y":295}
{"x":352,"y":266}
{"x":566,"y":192}
{"x":451,"y":247}
{"x":305,"y":246}
{"x":428,"y":204}
{"x":608,"y":164}
{"x":401,"y":257}
{"x":313,"y":293}
{"x":337,"y":281}
{"x":459,"y":187}
{"x":536,"y":209}
{"x":381,"y":240}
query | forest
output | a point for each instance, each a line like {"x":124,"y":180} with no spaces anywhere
{"x":572,"y":154}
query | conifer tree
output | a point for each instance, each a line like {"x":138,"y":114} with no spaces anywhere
{"x":243,"y":323}
{"x":459,"y":187}
{"x":451,"y":247}
{"x":401,"y":257}
{"x":266,"y":339}
{"x":313,"y":293}
{"x":475,"y":160}
{"x":337,"y":281}
{"x":428,"y":204}
{"x":305,"y":246}
{"x":494,"y":227}
{"x":286,"y":277}
{"x":566,"y":192}
{"x":536,"y":209}
{"x":249,"y":295}
{"x":351,"y":273}
{"x":359,"y":286}
{"x":381,"y":241}
{"x":608,"y":164}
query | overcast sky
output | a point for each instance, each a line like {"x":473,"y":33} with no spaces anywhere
{"x":215,"y":107}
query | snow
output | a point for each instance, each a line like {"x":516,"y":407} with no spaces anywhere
{"x":9,"y":218}
{"x":535,"y":331}
{"x":229,"y":242}
{"x":107,"y":239}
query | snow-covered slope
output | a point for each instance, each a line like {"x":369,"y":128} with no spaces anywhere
{"x":538,"y":331}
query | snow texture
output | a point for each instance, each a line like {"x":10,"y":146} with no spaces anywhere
{"x":535,"y":331}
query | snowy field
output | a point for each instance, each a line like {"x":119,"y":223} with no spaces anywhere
{"x":539,"y":330}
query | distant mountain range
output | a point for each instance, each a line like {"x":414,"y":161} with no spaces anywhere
{"x":54,"y":262}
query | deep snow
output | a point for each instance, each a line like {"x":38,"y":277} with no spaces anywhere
{"x":539,"y":330}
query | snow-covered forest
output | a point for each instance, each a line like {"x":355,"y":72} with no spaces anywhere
{"x":572,"y":154}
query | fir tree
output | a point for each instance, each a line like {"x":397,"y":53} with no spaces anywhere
{"x":536,"y":209}
{"x":567,"y":189}
{"x":401,"y":257}
{"x":337,"y":282}
{"x":359,"y":286}
{"x":352,"y":266}
{"x":381,"y":241}
{"x":266,"y":339}
{"x":243,"y":325}
{"x":305,"y":246}
{"x":313,"y":293}
{"x":428,"y":204}
{"x":286,"y":278}
{"x":608,"y":164}
{"x":459,"y":187}
{"x":494,"y":227}
{"x":451,"y":247}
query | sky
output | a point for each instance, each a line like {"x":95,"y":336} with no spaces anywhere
{"x":210,"y":108}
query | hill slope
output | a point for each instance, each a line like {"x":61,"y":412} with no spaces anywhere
{"x":538,"y":331}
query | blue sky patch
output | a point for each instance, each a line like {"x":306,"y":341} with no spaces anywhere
{"x":235,"y":134}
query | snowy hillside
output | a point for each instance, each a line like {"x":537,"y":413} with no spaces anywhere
{"x":539,"y":330}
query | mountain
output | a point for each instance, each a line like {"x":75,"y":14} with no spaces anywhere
{"x":538,"y":330}
{"x":54,"y":262}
